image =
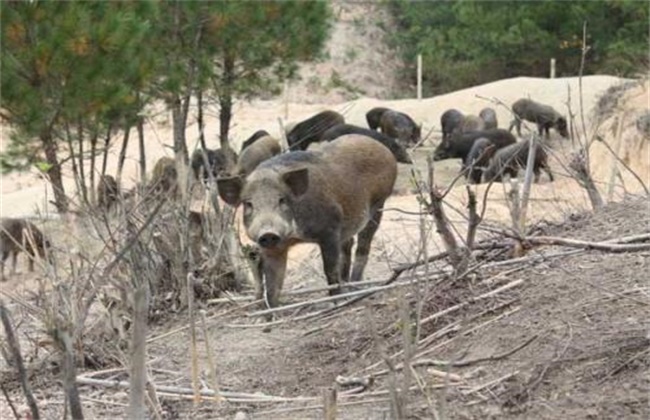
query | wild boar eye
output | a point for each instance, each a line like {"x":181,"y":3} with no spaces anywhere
{"x":248,"y":205}
{"x":282,"y":200}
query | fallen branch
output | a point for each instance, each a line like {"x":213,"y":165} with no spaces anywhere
{"x":463,"y":363}
{"x":491,"y":383}
{"x":574,"y":243}
{"x":228,"y":396}
{"x":469,"y":301}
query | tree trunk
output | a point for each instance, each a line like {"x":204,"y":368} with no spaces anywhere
{"x":201,"y":123}
{"x":54,"y":171}
{"x":122,"y":157}
{"x":107,"y":142}
{"x":143,"y":157}
{"x":180,"y":109}
{"x":73,"y":157}
{"x":93,"y":160}
{"x":82,"y":170}
{"x":225,"y":101}
{"x":69,"y":373}
{"x":138,"y":372}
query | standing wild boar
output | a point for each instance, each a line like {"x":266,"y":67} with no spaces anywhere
{"x":342,"y":129}
{"x":18,"y":235}
{"x":310,"y":130}
{"x":164,"y":177}
{"x":264,"y":148}
{"x":543,"y":115}
{"x":489,"y":116}
{"x":451,"y":121}
{"x":218,"y":162}
{"x":373,"y":117}
{"x":401,"y":127}
{"x":459,"y":145}
{"x":478,"y":158}
{"x":472,"y":123}
{"x":325,"y":197}
{"x":108,"y":192}
{"x":252,"y":139}
{"x":510,"y":159}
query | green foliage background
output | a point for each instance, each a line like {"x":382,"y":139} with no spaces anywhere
{"x":464,"y":43}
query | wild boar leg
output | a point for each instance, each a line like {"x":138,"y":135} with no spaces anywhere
{"x":346,"y":253}
{"x":330,"y":249}
{"x":364,"y":239}
{"x":14,"y":258}
{"x":274,"y":266}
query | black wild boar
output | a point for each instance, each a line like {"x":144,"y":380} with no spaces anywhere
{"x":373,"y":117}
{"x":342,"y":129}
{"x":108,"y":192}
{"x":472,"y":123}
{"x":543,"y":115}
{"x":264,"y":148}
{"x":17,"y":235}
{"x":401,"y":127}
{"x":510,"y":159}
{"x":451,"y":121}
{"x":252,"y":139}
{"x":326,"y":197}
{"x":489,"y":116}
{"x":459,"y":145}
{"x":310,"y":130}
{"x":218,"y":161}
{"x":478,"y":158}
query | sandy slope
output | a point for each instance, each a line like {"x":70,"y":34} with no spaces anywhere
{"x":23,"y":193}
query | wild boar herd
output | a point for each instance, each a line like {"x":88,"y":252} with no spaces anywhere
{"x":332,"y":195}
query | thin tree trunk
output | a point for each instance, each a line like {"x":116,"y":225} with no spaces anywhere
{"x":201,"y":123}
{"x":54,"y":171}
{"x":225,"y":100}
{"x":143,"y":157}
{"x":138,"y":374}
{"x":93,"y":162}
{"x":179,"y":116}
{"x":69,"y":374}
{"x":14,"y":350}
{"x":73,"y":157}
{"x":107,"y":142}
{"x":82,"y":171}
{"x":122,"y":157}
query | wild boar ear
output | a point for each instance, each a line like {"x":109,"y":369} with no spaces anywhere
{"x":230,"y":189}
{"x":297,"y":180}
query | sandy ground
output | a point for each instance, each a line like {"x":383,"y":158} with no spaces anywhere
{"x":24,"y":194}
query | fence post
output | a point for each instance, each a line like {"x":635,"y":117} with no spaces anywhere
{"x":419,"y":76}
{"x":286,"y":99}
{"x":552,"y":68}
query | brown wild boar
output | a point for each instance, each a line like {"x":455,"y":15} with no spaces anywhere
{"x":472,"y":123}
{"x":165,"y":176}
{"x":262,"y":149}
{"x":19,"y":235}
{"x":107,"y":192}
{"x":326,"y":197}
{"x":253,"y":138}
{"x":489,"y":116}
